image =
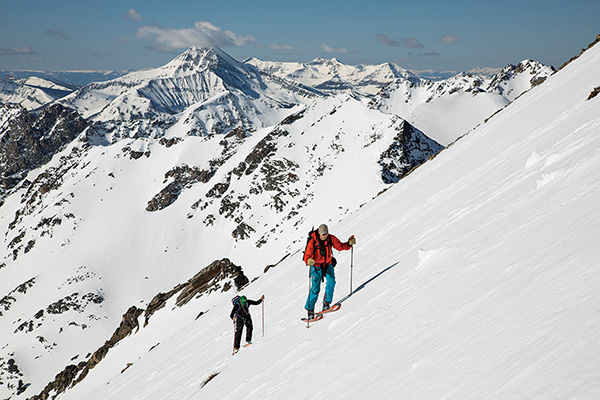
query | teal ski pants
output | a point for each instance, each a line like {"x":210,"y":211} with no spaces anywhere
{"x":315,"y":285}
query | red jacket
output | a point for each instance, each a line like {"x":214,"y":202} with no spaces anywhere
{"x":313,"y":249}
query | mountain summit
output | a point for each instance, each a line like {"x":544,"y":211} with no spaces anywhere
{"x":204,"y":84}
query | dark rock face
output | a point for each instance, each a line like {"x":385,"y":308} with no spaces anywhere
{"x":183,"y":177}
{"x":219,"y":275}
{"x":409,"y":149}
{"x":27,"y":142}
{"x":7,"y":301}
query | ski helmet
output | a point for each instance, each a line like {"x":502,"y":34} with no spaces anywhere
{"x":243,"y":300}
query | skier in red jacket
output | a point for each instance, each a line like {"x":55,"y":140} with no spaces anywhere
{"x":318,"y":256}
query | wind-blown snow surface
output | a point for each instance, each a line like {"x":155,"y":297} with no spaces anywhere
{"x":474,"y":278}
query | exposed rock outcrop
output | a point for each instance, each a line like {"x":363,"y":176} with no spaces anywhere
{"x":28,"y":142}
{"x":409,"y":149}
{"x":219,"y":275}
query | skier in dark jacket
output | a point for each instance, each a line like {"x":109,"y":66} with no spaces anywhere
{"x":240,"y":314}
{"x":318,"y":256}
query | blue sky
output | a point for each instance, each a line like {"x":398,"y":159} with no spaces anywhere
{"x":418,"y":35}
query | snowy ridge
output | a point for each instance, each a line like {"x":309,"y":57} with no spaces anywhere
{"x":71,"y":79}
{"x":491,"y":298}
{"x":448,"y":109}
{"x":514,"y":80}
{"x":31,"y":93}
{"x":333,"y":77}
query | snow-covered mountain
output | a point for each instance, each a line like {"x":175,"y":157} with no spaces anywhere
{"x":444,"y":109}
{"x":204,"y":88}
{"x":448,"y":109}
{"x":106,"y":225}
{"x":69,"y":79}
{"x":474,"y":278}
{"x":31,"y":93}
{"x":333,"y":77}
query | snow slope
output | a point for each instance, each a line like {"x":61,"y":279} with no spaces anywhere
{"x":474,"y":278}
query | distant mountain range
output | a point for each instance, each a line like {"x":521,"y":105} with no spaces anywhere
{"x":74,"y":79}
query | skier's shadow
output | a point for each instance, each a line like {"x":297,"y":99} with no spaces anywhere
{"x":361,"y":287}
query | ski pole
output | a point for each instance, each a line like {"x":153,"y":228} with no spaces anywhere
{"x":307,"y":321}
{"x":351,"y":267}
{"x":234,"y":318}
{"x":263,"y":317}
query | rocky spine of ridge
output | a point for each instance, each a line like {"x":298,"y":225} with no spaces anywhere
{"x":221,"y":275}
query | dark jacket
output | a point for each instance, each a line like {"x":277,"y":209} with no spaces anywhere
{"x":240,"y":311}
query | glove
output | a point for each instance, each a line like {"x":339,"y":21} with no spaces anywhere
{"x":262,"y":297}
{"x":352,"y":241}
{"x":310,"y":262}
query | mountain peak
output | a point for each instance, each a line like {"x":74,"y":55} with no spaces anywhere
{"x":197,"y":59}
{"x":325,"y":61}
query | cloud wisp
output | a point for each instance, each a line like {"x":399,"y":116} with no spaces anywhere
{"x":202,"y":34}
{"x":132,"y":14}
{"x":275,"y":46}
{"x":383,"y":38}
{"x":447,"y":39}
{"x":329,"y":49}
{"x":59,"y":34}
{"x":410,"y":42}
{"x":16,"y":51}
{"x":102,"y":55}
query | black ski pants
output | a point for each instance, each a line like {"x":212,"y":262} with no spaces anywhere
{"x":240,"y":322}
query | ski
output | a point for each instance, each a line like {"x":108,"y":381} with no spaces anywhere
{"x":319,"y":315}
{"x":316,"y":318}
{"x":333,"y":308}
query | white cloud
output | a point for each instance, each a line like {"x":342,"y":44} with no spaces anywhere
{"x":449,"y":39}
{"x":202,"y":34}
{"x":275,"y":46}
{"x":328,"y":49}
{"x":132,"y":14}
{"x":15,"y":51}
